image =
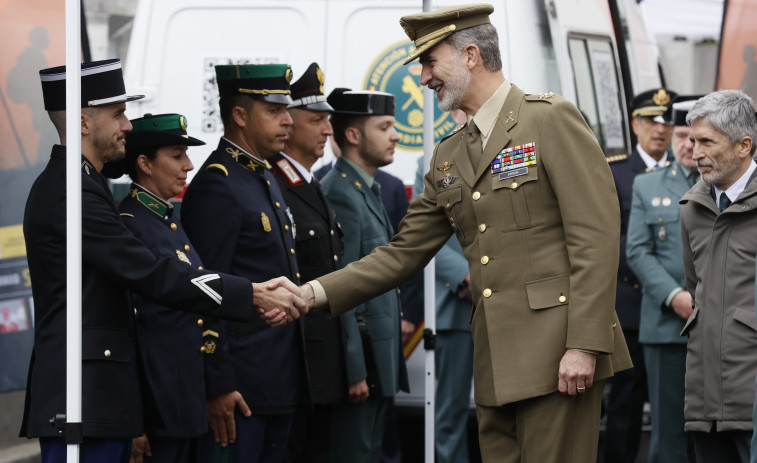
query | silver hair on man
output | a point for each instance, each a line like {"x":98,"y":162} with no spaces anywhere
{"x":485,"y":37}
{"x":730,"y":112}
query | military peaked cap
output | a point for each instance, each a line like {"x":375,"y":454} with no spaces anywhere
{"x":429,"y":28}
{"x":307,"y":91}
{"x":267,"y":82}
{"x":653,"y":103}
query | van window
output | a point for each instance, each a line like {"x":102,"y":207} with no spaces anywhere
{"x":598,"y":90}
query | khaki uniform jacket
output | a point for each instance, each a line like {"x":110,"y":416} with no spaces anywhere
{"x":719,"y":259}
{"x":542,"y":249}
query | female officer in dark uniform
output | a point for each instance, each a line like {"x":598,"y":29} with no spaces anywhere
{"x":172,"y":343}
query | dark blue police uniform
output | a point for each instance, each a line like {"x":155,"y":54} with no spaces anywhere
{"x":237,"y":218}
{"x":171,"y":343}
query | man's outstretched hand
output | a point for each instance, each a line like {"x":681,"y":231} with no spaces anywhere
{"x":278,"y":301}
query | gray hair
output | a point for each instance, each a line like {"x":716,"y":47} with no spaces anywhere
{"x":730,"y":112}
{"x":484,"y":36}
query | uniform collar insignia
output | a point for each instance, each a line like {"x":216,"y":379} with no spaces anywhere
{"x":87,"y":167}
{"x":153,"y":203}
{"x":245,"y":159}
{"x":445,"y":167}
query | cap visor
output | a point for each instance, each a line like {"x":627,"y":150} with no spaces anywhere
{"x":275,"y":98}
{"x":318,"y":106}
{"x":419,"y":50}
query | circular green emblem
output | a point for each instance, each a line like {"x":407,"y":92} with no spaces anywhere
{"x":388,"y":74}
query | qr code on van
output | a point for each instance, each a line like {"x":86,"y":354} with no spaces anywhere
{"x":211,"y":117}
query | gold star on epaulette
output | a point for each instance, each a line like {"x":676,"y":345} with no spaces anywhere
{"x":357,"y":184}
{"x":545,"y":96}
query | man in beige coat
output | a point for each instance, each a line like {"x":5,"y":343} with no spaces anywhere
{"x":718,"y":222}
{"x":537,"y":216}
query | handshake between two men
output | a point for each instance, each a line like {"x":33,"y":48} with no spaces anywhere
{"x":279,"y":301}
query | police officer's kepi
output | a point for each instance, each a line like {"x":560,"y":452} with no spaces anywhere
{"x":102,"y":83}
{"x":267,"y":82}
{"x":362,"y":102}
{"x":307,"y":91}
{"x":655,"y":103}
{"x":428,"y":29}
{"x":681,"y":107}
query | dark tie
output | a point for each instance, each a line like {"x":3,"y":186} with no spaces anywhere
{"x":473,"y":140}
{"x":725,"y":201}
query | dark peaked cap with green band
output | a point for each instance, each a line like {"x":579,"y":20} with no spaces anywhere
{"x":428,"y":29}
{"x":267,"y":82}
{"x":159,"y":130}
{"x":149,"y":132}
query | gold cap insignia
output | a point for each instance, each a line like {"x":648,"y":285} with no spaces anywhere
{"x":319,"y":74}
{"x":288,"y":75}
{"x":183,"y":122}
{"x":661,"y":98}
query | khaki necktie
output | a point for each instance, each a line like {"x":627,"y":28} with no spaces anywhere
{"x":473,"y":140}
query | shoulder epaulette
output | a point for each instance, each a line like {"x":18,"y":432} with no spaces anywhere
{"x":459,"y":128}
{"x":616,"y":158}
{"x":220,"y":167}
{"x":540,"y":96}
{"x":126,"y":214}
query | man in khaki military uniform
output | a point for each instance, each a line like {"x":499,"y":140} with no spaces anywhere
{"x":526,"y":189}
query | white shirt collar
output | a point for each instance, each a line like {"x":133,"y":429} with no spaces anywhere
{"x":738,"y":186}
{"x":651,"y":162}
{"x":306,"y":174}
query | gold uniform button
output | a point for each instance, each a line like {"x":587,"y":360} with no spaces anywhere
{"x":562,"y":298}
{"x":476,"y":196}
{"x":286,"y":227}
{"x":485,"y":260}
{"x":107,"y":353}
{"x":514,"y":185}
{"x":174,"y":227}
{"x":278,"y":205}
{"x":344,"y":175}
{"x":202,"y":349}
{"x":186,"y":248}
{"x":291,"y":251}
{"x":487,"y":292}
{"x":200,"y":323}
{"x":298,"y":275}
{"x":199,"y":268}
{"x":482,"y":227}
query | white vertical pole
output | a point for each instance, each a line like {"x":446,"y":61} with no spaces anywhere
{"x":73,"y":221}
{"x":429,"y":277}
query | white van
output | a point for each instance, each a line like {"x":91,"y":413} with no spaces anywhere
{"x":563,"y":46}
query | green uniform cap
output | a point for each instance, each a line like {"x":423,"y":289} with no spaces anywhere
{"x":159,"y":130}
{"x":428,"y":29}
{"x":268,"y":82}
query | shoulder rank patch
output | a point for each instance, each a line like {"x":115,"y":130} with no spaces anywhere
{"x":459,"y":128}
{"x":289,"y":172}
{"x":540,"y":96}
{"x":219,"y":167}
{"x":616,"y":158}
